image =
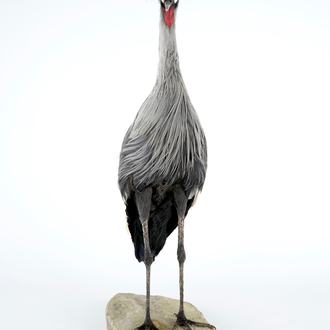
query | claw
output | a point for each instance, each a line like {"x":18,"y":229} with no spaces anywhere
{"x":146,"y":327}
{"x":182,"y":321}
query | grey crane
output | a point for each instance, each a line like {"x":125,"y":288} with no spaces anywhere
{"x":163,"y":163}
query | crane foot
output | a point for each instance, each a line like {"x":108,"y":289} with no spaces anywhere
{"x":182,"y":321}
{"x":147,"y":326}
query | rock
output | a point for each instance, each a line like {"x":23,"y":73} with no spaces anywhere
{"x":126,"y":311}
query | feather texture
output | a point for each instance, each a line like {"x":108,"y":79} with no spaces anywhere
{"x":164,"y":146}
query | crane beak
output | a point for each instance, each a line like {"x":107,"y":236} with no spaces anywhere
{"x":168,"y":4}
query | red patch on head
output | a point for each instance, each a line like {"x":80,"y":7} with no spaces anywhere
{"x":169,"y":16}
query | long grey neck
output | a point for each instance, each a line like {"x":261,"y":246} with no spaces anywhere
{"x":168,"y":52}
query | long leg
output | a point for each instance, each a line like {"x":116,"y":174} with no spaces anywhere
{"x":143,"y":203}
{"x":181,"y":205}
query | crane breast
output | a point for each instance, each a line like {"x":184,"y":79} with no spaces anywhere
{"x":165,"y":144}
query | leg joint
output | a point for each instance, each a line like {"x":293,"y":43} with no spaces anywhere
{"x":181,"y":253}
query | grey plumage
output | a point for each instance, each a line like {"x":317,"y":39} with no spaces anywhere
{"x":166,"y":143}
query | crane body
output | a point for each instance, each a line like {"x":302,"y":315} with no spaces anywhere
{"x":163,"y":162}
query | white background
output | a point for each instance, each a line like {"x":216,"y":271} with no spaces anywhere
{"x":74,"y":73}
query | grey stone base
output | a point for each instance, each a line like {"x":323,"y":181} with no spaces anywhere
{"x":126,"y":311}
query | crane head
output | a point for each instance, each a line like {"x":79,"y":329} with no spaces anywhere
{"x":169,"y":6}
